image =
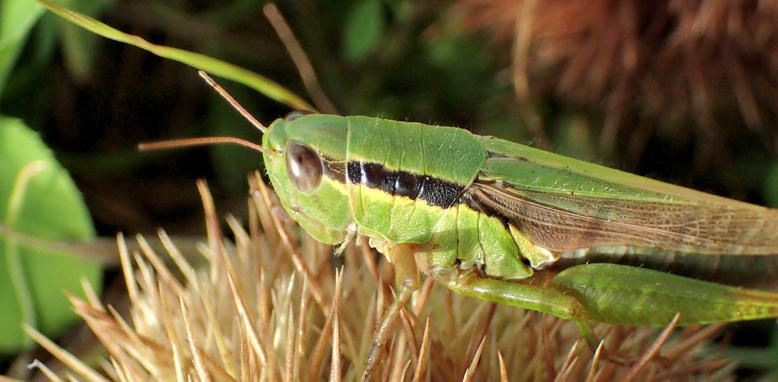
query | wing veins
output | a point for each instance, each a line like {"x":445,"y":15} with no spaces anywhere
{"x":560,"y":229}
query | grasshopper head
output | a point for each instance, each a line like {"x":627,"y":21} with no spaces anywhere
{"x":305,"y":157}
{"x":306,"y":161}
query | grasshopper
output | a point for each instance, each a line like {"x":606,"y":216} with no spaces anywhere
{"x":508,"y":223}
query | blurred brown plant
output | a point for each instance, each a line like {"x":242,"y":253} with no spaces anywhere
{"x":675,"y":68}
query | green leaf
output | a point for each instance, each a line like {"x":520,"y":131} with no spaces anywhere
{"x":79,"y":46}
{"x":364,"y":28}
{"x":38,"y":198}
{"x":16,"y":19}
{"x":208,"y":64}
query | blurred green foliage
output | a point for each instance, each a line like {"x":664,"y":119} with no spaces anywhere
{"x":37,"y":196}
{"x":363,"y":30}
{"x":16,"y":19}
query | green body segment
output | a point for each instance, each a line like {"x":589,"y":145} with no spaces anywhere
{"x":516,"y":213}
{"x":404,"y":149}
{"x":440,"y":152}
{"x":474,"y":240}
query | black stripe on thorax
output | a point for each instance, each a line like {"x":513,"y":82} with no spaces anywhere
{"x":434,"y":191}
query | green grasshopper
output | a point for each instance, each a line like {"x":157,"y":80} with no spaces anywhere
{"x":520,"y":226}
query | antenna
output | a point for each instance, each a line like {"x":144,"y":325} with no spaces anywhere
{"x":204,"y":141}
{"x":232,"y":101}
{"x":189,"y":142}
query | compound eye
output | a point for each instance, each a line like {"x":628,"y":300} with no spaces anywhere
{"x":303,"y":166}
{"x":292,"y":115}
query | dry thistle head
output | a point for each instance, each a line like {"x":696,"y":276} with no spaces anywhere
{"x":270,"y":307}
{"x":675,"y":68}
